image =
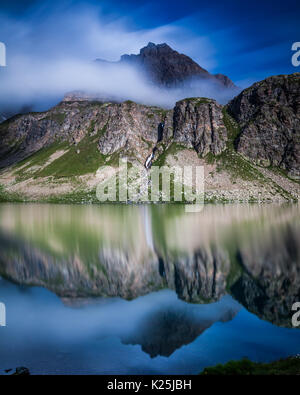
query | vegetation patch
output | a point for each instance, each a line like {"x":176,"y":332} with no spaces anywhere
{"x":10,"y":197}
{"x":39,"y":158}
{"x":57,"y":117}
{"x":198,"y":100}
{"x":162,"y":113}
{"x":76,"y":197}
{"x":84,"y":158}
{"x":233,"y":129}
{"x":288,"y":366}
{"x":173,"y":149}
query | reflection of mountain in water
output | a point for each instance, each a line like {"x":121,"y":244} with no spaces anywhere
{"x":252,"y":253}
{"x":164,"y":331}
{"x":270,"y":282}
{"x":196,"y":278}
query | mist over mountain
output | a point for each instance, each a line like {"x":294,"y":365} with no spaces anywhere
{"x":52,"y":53}
{"x":164,"y":76}
{"x":158,"y":76}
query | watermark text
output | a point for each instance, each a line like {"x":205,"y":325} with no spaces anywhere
{"x":296,"y":316}
{"x":2,"y":314}
{"x":158,"y":184}
{"x":296,"y":55}
{"x":2,"y":54}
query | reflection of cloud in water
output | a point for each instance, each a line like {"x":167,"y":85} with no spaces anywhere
{"x":36,"y":314}
{"x":167,"y":328}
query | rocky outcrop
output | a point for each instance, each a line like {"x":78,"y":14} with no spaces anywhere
{"x":198,"y":123}
{"x":269,"y":117}
{"x":133,"y":129}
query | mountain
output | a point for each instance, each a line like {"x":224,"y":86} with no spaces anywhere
{"x":160,"y":66}
{"x":269,"y":117}
{"x":168,"y":68}
{"x":249,"y":148}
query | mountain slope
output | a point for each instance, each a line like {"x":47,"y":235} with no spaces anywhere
{"x":57,"y":154}
{"x":269,"y":116}
{"x":169,"y":68}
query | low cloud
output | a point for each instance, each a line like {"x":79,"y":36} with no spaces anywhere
{"x":50,"y":52}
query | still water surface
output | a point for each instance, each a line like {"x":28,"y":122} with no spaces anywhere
{"x":147,"y":289}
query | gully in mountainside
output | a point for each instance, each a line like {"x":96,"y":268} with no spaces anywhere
{"x":160,"y":133}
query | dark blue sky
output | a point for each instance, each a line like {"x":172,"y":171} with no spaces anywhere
{"x":246,"y":40}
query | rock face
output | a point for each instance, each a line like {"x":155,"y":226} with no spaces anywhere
{"x":21,"y":136}
{"x":198,"y":123}
{"x":133,"y":128}
{"x":169,"y":68}
{"x":269,"y":116}
{"x":225,"y":81}
{"x":24,"y":135}
{"x":127,"y":127}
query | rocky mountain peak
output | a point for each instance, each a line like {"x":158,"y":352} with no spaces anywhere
{"x":156,"y":48}
{"x":167,"y":67}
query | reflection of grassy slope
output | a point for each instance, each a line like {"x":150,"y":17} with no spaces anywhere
{"x":161,"y":217}
{"x":288,"y":366}
{"x":63,"y":241}
{"x":66,"y":232}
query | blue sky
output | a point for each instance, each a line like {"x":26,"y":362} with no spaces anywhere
{"x":245,"y":40}
{"x":51,"y":44}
